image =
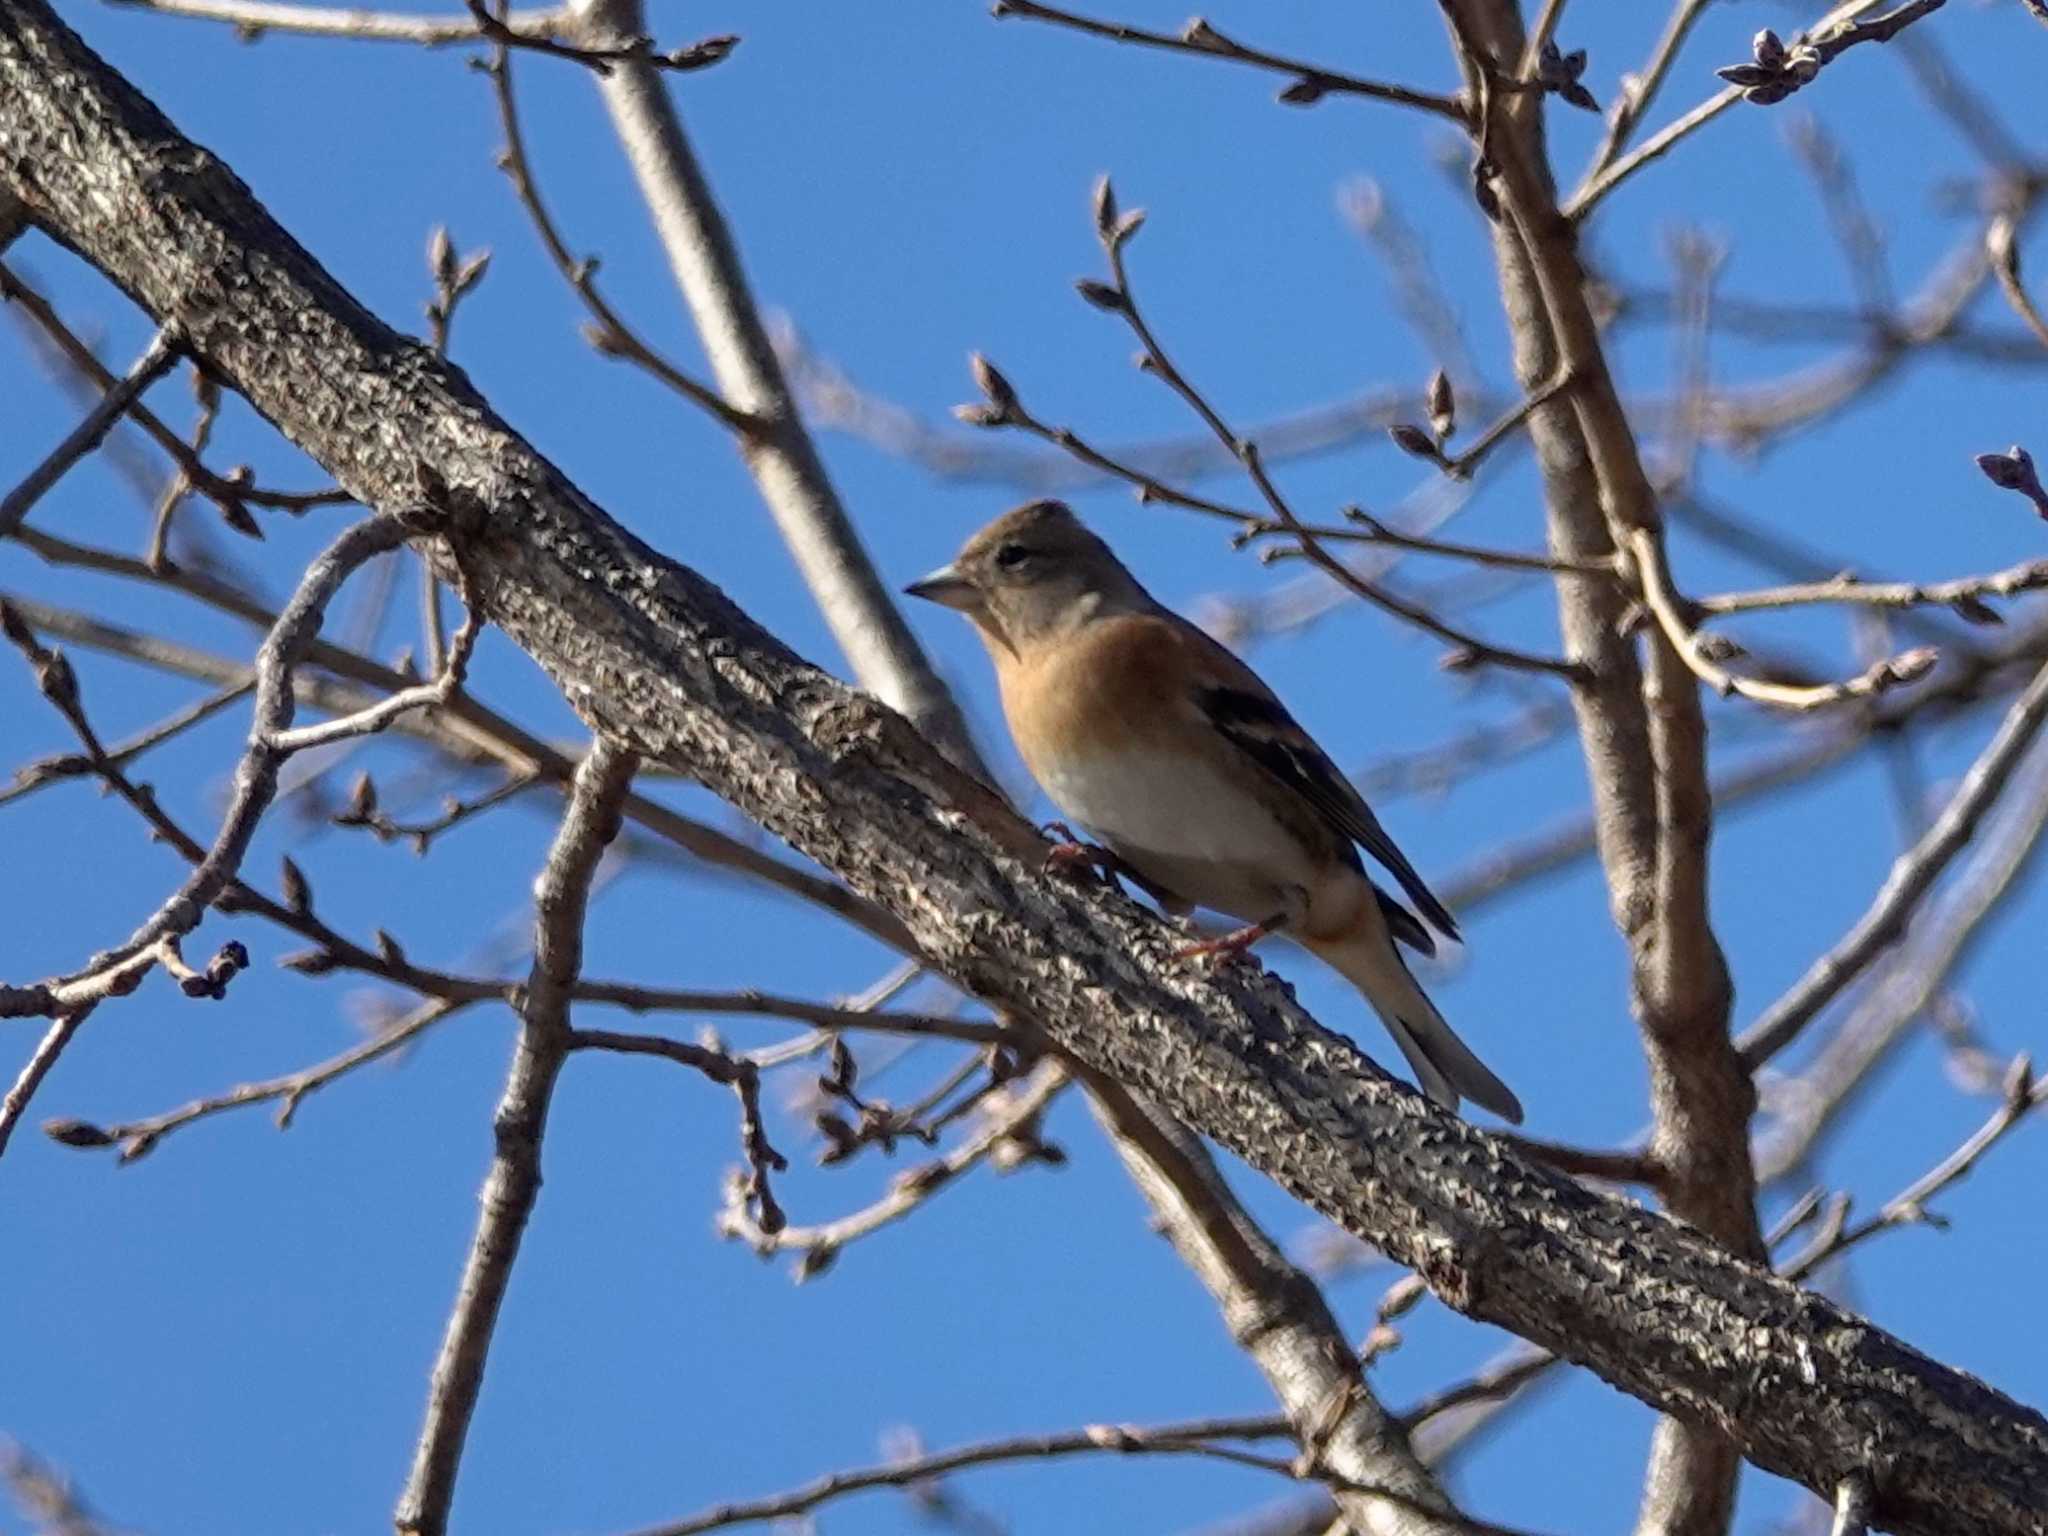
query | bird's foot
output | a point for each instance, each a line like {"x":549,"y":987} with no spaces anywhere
{"x":1070,"y":855}
{"x":1235,"y":945}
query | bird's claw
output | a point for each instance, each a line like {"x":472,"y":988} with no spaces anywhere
{"x":1069,"y":854}
{"x":1229,"y":949}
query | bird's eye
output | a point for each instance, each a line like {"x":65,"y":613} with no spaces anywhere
{"x":1010,"y":556}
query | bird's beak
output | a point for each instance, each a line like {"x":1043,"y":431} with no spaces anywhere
{"x":947,"y":587}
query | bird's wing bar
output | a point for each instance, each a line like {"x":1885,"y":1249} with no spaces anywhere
{"x":1260,"y":726}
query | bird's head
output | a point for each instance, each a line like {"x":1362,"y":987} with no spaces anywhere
{"x":1033,"y":573}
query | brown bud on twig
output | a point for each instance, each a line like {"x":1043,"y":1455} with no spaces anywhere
{"x":702,"y":54}
{"x":1305,"y":92}
{"x":471,"y":272}
{"x":1911,"y":666}
{"x":1105,"y":207}
{"x":311,"y":962}
{"x":441,"y":256}
{"x":76,"y":1133}
{"x":1443,"y":405}
{"x":2014,"y":470}
{"x":1104,"y":296}
{"x":1410,"y":438}
{"x":298,"y":891}
{"x":989,"y":380}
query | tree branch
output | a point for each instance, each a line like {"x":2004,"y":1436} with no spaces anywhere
{"x":561,"y":896}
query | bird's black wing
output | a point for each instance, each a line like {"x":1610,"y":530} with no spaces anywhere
{"x":1260,"y":726}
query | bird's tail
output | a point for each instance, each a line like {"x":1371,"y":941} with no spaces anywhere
{"x":1443,"y":1064}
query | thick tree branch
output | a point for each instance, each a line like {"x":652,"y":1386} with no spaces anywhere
{"x":664,"y":663}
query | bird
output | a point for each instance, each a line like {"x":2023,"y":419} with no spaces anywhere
{"x":1198,"y":784}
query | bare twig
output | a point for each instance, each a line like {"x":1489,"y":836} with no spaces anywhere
{"x":639,"y":999}
{"x":2022,"y":1095}
{"x":1964,"y":593}
{"x":38,"y":1065}
{"x":232,"y":493}
{"x":1117,"y":298}
{"x":252,"y":18}
{"x":561,"y":897}
{"x":31,"y":777}
{"x":601,"y":60}
{"x":156,"y":360}
{"x":1911,"y":878}
{"x":1198,"y":1437}
{"x":1311,"y":82}
{"x":1704,"y":658}
{"x":2001,"y":245}
{"x":1799,"y":1110}
{"x":1638,"y":90}
{"x":464,"y":726}
{"x":818,"y":1246}
{"x":608,"y":333}
{"x":137,"y":1138}
{"x":1837,"y":30}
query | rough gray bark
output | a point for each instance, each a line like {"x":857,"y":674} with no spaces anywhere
{"x":658,"y":659}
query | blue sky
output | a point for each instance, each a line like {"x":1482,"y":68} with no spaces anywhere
{"x":234,"y":1334}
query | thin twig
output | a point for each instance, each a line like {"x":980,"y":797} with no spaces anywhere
{"x":561,"y":900}
{"x":137,"y":1138}
{"x":1910,"y":879}
{"x":252,"y":18}
{"x":1699,"y":653}
{"x":1118,"y":298}
{"x":1311,"y":82}
{"x":37,"y":1067}
{"x":609,"y":334}
{"x":2023,"y":1094}
{"x":1638,"y":90}
{"x":156,"y":360}
{"x":232,"y":493}
{"x":1833,"y":32}
{"x":31,"y":777}
{"x":639,"y":999}
{"x":819,"y":1245}
{"x":2001,"y":244}
{"x":1193,"y":1438}
{"x":1963,"y":592}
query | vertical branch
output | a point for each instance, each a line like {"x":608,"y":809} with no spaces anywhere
{"x":1645,"y":738}
{"x":877,"y":643}
{"x":561,"y":896}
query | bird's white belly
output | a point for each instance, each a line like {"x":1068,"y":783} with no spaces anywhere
{"x":1204,"y":834}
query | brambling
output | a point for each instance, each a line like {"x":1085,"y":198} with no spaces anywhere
{"x":1195,"y":778}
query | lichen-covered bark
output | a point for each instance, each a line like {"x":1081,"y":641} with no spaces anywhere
{"x":661,"y":661}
